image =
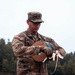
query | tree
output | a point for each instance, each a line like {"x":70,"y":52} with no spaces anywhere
{"x":2,"y":52}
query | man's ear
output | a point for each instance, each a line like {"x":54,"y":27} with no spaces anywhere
{"x":27,"y":21}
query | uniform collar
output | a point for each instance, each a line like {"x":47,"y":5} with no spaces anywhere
{"x":30,"y":34}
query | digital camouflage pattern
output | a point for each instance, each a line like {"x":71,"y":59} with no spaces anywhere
{"x":35,"y":17}
{"x":23,"y":50}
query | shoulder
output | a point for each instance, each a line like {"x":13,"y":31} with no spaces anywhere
{"x":20,"y":35}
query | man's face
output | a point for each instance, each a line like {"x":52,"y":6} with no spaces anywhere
{"x":33,"y":27}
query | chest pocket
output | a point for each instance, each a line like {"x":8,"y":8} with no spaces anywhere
{"x":28,"y":42}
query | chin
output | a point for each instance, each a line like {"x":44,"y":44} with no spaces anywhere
{"x":35,"y":32}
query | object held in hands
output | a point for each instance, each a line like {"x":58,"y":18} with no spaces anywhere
{"x":41,"y":56}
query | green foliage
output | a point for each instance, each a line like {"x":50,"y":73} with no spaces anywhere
{"x":7,"y":58}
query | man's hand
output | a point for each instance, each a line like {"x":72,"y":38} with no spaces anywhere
{"x":62,"y":52}
{"x":47,"y":51}
{"x":36,"y":50}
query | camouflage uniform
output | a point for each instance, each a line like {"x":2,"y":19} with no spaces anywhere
{"x":23,"y":50}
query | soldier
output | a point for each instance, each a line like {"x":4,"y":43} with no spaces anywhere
{"x":23,"y":48}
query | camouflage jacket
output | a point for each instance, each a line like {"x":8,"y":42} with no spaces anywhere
{"x":23,"y":50}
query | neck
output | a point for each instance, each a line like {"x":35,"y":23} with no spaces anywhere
{"x":33,"y":33}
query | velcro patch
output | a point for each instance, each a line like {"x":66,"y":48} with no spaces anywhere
{"x":17,"y":37}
